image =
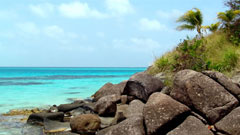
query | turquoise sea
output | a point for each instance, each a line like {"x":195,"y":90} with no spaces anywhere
{"x":41,"y":87}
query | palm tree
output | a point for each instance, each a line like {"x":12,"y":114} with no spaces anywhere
{"x":228,"y":16}
{"x":213,"y":27}
{"x":193,"y":19}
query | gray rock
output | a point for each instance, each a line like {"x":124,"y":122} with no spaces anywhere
{"x":226,"y":82}
{"x":203,"y":94}
{"x":236,"y":78}
{"x":161,"y":110}
{"x":67,"y":107}
{"x":104,"y":131}
{"x":191,"y":126}
{"x":142,"y":85}
{"x":81,"y":110}
{"x":39,"y":118}
{"x":166,"y":90}
{"x":135,"y":108}
{"x":109,"y":89}
{"x":121,"y":113}
{"x":130,"y":126}
{"x":106,"y":121}
{"x":107,"y":106}
{"x":230,"y":124}
{"x":124,"y":99}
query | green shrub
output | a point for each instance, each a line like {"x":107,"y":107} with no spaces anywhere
{"x":229,"y":62}
{"x":162,"y":63}
{"x":190,"y":55}
{"x":230,"y":59}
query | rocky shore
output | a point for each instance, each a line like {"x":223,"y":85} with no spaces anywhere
{"x":198,"y":103}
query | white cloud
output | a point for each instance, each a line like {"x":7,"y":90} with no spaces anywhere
{"x":79,"y":10}
{"x":173,"y":14}
{"x":42,"y":10}
{"x":28,"y":28}
{"x":119,"y":7}
{"x":146,"y":24}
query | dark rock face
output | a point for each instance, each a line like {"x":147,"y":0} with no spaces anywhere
{"x":109,"y":89}
{"x":191,"y":126}
{"x":142,"y":85}
{"x":39,"y":118}
{"x":130,"y":126}
{"x":106,"y":106}
{"x":203,"y":94}
{"x":160,"y":110}
{"x":135,"y":108}
{"x":230,"y":124}
{"x":67,"y":107}
{"x":225,"y":82}
{"x":84,"y":124}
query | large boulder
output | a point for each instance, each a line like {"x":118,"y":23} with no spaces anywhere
{"x":85,"y":124}
{"x":39,"y":118}
{"x":226,"y":82}
{"x":130,"y":126}
{"x":135,"y":108}
{"x":230,"y":124}
{"x":191,"y":126}
{"x":203,"y":94}
{"x":109,"y":89}
{"x":161,"y":110}
{"x":142,"y":85}
{"x":107,"y":106}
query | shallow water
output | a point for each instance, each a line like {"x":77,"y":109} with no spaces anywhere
{"x":40,"y":87}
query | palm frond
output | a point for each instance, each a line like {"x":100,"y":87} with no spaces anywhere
{"x":186,"y":27}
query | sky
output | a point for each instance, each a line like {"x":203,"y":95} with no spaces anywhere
{"x":93,"y":33}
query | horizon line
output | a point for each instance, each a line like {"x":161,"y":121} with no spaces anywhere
{"x":64,"y":67}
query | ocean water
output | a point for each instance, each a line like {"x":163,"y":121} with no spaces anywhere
{"x":40,"y":87}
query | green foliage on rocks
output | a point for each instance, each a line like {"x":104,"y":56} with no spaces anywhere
{"x":218,"y":51}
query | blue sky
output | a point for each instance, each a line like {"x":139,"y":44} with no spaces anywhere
{"x":93,"y":33}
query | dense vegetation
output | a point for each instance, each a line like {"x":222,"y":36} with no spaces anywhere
{"x":219,"y":50}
